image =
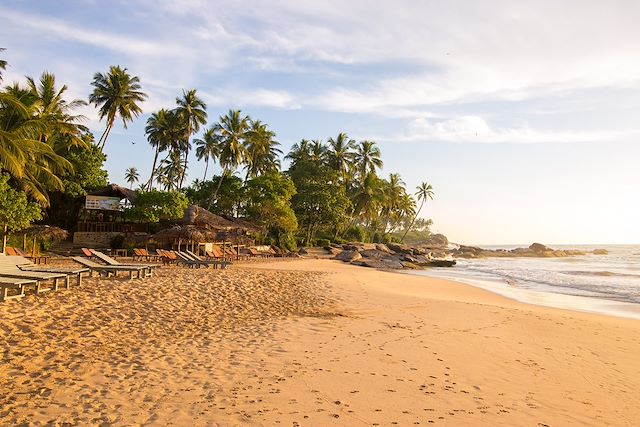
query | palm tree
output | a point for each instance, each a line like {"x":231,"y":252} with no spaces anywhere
{"x":318,"y":151}
{"x":131,"y":175}
{"x":368,"y":198}
{"x":207,"y":148}
{"x":424,"y":192}
{"x":232,"y":131}
{"x":23,"y":152}
{"x":170,"y":170}
{"x":117,"y":93}
{"x":62,"y":128}
{"x":299,"y":152}
{"x":341,"y":155}
{"x":367,"y":158}
{"x":192,"y":113}
{"x":262,"y":152}
{"x":3,"y":64}
{"x":162,"y":130}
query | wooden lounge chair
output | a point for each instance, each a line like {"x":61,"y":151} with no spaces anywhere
{"x":108,"y":270}
{"x":255,"y":253}
{"x":9,"y":269}
{"x":215,"y":263}
{"x":26,"y":265}
{"x":143,"y":254}
{"x":7,"y":283}
{"x":166,"y":257}
{"x":37,"y":259}
{"x":110,"y":261}
{"x":185,"y":259}
{"x":87,"y":252}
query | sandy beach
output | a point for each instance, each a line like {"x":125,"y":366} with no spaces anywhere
{"x":309,"y":342}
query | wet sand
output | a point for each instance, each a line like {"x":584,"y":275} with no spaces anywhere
{"x":309,"y":342}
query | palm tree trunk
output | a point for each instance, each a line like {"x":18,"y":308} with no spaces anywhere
{"x":412,"y":221}
{"x":215,"y":194}
{"x":206,"y":166}
{"x":153,"y":168}
{"x":4,"y":238}
{"x":184,"y":172}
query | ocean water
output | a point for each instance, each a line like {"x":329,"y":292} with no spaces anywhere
{"x":608,"y":284}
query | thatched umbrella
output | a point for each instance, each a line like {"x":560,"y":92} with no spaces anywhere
{"x":190,"y":233}
{"x":42,"y":232}
{"x":195,"y":215}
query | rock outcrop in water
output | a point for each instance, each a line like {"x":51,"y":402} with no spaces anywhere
{"x":535,"y":250}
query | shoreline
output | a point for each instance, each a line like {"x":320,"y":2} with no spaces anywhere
{"x":541,"y":298}
{"x":310,"y":342}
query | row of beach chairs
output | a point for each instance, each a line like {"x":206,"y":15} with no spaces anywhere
{"x":18,"y":274}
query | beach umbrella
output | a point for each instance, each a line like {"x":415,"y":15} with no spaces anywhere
{"x":42,"y":232}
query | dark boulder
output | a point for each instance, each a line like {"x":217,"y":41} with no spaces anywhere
{"x":349,"y":256}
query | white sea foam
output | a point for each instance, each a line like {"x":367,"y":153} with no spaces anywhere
{"x":600,"y":283}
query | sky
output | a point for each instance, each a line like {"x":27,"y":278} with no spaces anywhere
{"x":524,"y":116}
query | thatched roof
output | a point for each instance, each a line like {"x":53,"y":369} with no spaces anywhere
{"x":114,"y":190}
{"x":245,"y":225}
{"x":45,"y":232}
{"x":185,"y":232}
{"x":195,"y":215}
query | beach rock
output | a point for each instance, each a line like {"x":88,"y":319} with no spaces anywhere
{"x":349,"y":256}
{"x":380,"y":263}
{"x":374,"y":253}
{"x":600,"y":252}
{"x":383,"y":248}
{"x":539,"y":248}
{"x":332,"y":251}
{"x":400,"y":248}
{"x":349,"y":247}
{"x":303,"y":251}
{"x":436,"y":241}
{"x":410,"y":265}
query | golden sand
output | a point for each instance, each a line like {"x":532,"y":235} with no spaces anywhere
{"x":309,"y":342}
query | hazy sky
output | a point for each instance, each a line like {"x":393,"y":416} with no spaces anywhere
{"x":523,"y":115}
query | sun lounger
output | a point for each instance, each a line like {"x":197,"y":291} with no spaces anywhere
{"x":26,"y":265}
{"x":7,"y":283}
{"x":255,"y":253}
{"x":8,"y":269}
{"x":37,"y":259}
{"x":110,"y":261}
{"x":143,"y":254}
{"x":108,"y":270}
{"x":215,"y":263}
{"x":185,"y":259}
{"x":166,"y":257}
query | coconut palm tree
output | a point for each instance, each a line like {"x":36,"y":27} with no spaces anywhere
{"x":23,"y":154}
{"x":63,"y":130}
{"x":367,"y":158}
{"x":262,"y":150}
{"x":116,"y":93}
{"x":341,"y":155}
{"x":162,"y":130}
{"x":424,"y":192}
{"x":191,"y":111}
{"x":232,"y":131}
{"x":3,"y":64}
{"x":207,"y":148}
{"x":298,"y":153}
{"x":131,"y":175}
{"x":171,"y":170}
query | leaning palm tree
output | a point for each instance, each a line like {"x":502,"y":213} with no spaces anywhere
{"x":232,"y":131}
{"x":262,"y":150}
{"x":116,"y":93}
{"x":424,"y":192}
{"x":131,"y":175}
{"x":191,"y":111}
{"x":299,"y":152}
{"x":367,"y":158}
{"x":162,"y":130}
{"x":207,"y":148}
{"x":23,"y":154}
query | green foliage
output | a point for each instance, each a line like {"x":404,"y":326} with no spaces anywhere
{"x":155,"y":206}
{"x":88,"y":174}
{"x":230,"y":194}
{"x":355,"y":234}
{"x":321,"y":201}
{"x":268,"y":204}
{"x":16,"y":212}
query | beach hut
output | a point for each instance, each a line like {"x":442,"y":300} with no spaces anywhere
{"x":36,"y":232}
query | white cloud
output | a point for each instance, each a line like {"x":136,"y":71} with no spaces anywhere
{"x":476,"y":129}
